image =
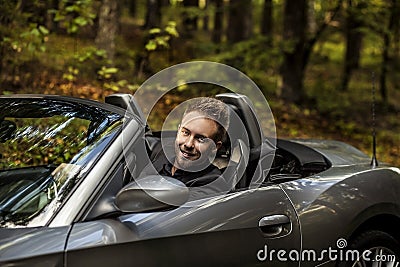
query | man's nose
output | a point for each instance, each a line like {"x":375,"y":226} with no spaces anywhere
{"x":189,"y":142}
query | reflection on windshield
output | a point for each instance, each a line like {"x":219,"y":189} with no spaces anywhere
{"x":46,"y":147}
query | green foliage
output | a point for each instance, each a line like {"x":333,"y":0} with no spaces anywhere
{"x":18,"y":30}
{"x":107,"y":74}
{"x":321,"y":8}
{"x":34,"y":38}
{"x":91,"y":54}
{"x":31,"y":39}
{"x":156,"y":39}
{"x":94,"y":63}
{"x":74,"y":14}
{"x":71,"y":74}
{"x":85,"y":61}
{"x":256,"y":57}
{"x":161,"y":38}
{"x":23,"y":39}
{"x":177,"y":10}
{"x":7,"y":9}
{"x":171,"y":30}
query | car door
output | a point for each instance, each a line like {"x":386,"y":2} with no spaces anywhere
{"x":256,"y":227}
{"x":39,"y":246}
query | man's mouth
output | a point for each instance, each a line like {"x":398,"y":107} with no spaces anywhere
{"x":187,"y":154}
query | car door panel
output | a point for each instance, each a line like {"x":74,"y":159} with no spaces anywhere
{"x":42,"y":246}
{"x":216,"y":231}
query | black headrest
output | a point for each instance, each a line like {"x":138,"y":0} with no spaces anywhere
{"x":125,"y":101}
{"x":244,"y":108}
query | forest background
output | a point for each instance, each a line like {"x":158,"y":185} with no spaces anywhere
{"x":318,"y":62}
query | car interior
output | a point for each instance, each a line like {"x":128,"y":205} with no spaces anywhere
{"x":249,"y":155}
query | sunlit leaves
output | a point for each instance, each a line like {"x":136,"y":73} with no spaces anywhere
{"x":74,"y":14}
{"x":171,"y":29}
{"x":90,"y":54}
{"x":32,"y":39}
{"x":161,"y":38}
{"x":106,"y":73}
{"x":155,"y":31}
{"x":71,"y":74}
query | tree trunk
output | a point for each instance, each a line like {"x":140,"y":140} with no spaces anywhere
{"x":312,"y":23}
{"x":218,"y":21}
{"x":294,"y":33}
{"x":132,"y":7}
{"x":190,"y":20}
{"x":108,"y":26}
{"x":354,"y":39}
{"x":206,"y":18}
{"x":239,"y":21}
{"x":384,"y":67}
{"x":396,"y":28}
{"x":385,"y":53}
{"x":267,"y":19}
{"x":153,"y":14}
{"x":50,"y":24}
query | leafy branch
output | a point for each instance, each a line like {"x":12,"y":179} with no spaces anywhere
{"x":74,"y":14}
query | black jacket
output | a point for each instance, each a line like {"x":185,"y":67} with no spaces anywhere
{"x":206,"y":182}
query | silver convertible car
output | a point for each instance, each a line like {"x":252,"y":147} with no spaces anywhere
{"x":69,"y":194}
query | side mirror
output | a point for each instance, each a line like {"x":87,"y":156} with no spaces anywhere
{"x":151,"y":193}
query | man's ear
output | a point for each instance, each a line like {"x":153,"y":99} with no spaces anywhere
{"x":218,"y":144}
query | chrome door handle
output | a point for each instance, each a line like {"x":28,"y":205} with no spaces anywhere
{"x":274,"y":225}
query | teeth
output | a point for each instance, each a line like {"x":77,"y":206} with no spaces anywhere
{"x":186,"y":154}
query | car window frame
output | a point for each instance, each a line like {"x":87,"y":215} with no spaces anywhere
{"x":125,"y":167}
{"x":72,"y":210}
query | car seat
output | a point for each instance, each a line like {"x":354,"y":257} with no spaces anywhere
{"x":246,"y":136}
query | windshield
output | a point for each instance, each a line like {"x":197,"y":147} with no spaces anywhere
{"x":46,"y":147}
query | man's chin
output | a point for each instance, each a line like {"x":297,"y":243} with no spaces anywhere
{"x":190,"y":165}
{"x":184,"y":164}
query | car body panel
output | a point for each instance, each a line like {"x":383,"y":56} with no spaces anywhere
{"x":338,"y":153}
{"x":200,"y":226}
{"x":329,"y":199}
{"x":42,"y":246}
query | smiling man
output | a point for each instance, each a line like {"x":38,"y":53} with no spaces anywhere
{"x":200,"y":134}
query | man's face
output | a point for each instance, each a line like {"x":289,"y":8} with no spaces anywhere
{"x":194,"y":146}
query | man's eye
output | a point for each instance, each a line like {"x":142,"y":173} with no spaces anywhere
{"x":184,"y":132}
{"x":202,"y":139}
